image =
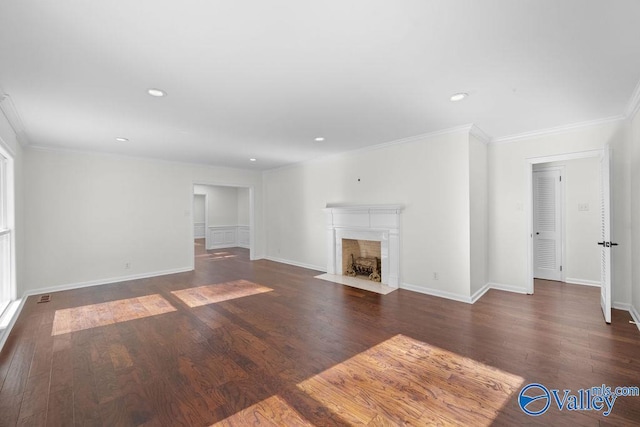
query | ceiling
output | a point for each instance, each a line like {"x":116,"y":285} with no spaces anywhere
{"x":261,"y":79}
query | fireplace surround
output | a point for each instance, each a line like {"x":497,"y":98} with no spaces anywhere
{"x":379,"y":223}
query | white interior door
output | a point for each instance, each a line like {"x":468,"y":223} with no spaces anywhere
{"x":605,"y":266}
{"x":547,"y":224}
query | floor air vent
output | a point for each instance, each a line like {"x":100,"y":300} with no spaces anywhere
{"x":44,"y":298}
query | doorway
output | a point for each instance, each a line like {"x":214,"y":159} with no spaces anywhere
{"x":584,"y":216}
{"x":223,"y":218}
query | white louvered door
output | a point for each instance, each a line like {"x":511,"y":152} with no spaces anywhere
{"x":605,"y":243}
{"x":547,"y":224}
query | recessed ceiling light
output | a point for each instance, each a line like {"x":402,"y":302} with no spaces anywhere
{"x":459,"y":96}
{"x":156,"y":92}
{"x":252,"y":159}
{"x":121,"y":139}
{"x":319,"y":139}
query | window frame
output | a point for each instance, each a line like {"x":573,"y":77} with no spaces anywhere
{"x":8,"y":291}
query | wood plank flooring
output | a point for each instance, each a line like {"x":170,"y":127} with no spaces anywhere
{"x":239,"y":342}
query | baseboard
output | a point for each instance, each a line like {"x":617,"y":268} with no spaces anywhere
{"x":436,"y":293}
{"x":296,"y":263}
{"x":630,"y":308}
{"x":463,"y":298}
{"x":223,"y":246}
{"x":635,"y":315}
{"x":621,"y":306}
{"x":227,"y":246}
{"x":99,"y":282}
{"x":584,"y":282}
{"x":508,"y":288}
{"x":4,"y":333}
{"x":479,"y":293}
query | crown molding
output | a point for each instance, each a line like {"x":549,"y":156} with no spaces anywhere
{"x":464,"y":128}
{"x":106,"y":154}
{"x":416,"y":138}
{"x":10,"y":112}
{"x":475,"y":131}
{"x":634,"y":102}
{"x":556,"y":130}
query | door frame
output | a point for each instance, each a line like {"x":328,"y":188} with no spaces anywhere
{"x":252,"y":218}
{"x":529,"y":280}
{"x":206,"y":216}
{"x":563,"y":235}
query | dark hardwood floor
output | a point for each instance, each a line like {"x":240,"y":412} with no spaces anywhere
{"x":268,"y":344}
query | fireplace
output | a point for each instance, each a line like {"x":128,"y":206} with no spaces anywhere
{"x":371,"y":231}
{"x":362,"y":258}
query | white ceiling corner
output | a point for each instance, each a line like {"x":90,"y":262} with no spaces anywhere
{"x":10,"y":112}
{"x":634,"y":102}
{"x":480,"y":134}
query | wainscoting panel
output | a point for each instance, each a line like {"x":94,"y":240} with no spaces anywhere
{"x":229,"y":236}
{"x":244,"y":236}
{"x":199,"y":230}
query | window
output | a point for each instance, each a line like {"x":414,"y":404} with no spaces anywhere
{"x":7,"y":262}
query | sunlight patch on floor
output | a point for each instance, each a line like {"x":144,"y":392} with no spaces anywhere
{"x":210,"y":294}
{"x":403,"y":380}
{"x":216,"y":256}
{"x":273,"y":411}
{"x":221,"y":255}
{"x":107,"y":313}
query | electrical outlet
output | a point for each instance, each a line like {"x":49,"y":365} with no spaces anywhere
{"x":583,"y":207}
{"x":435,"y":276}
{"x":127,"y":265}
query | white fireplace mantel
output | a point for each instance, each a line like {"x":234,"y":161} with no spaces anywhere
{"x":365,"y":222}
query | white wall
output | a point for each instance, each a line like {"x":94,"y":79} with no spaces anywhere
{"x":222,"y":204}
{"x":199,"y":211}
{"x":429,"y":177}
{"x":478,"y":187}
{"x":86,"y":215}
{"x":199,"y":216}
{"x":634,"y":140}
{"x":508,"y":238}
{"x":243,"y":206}
{"x":581,"y":180}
